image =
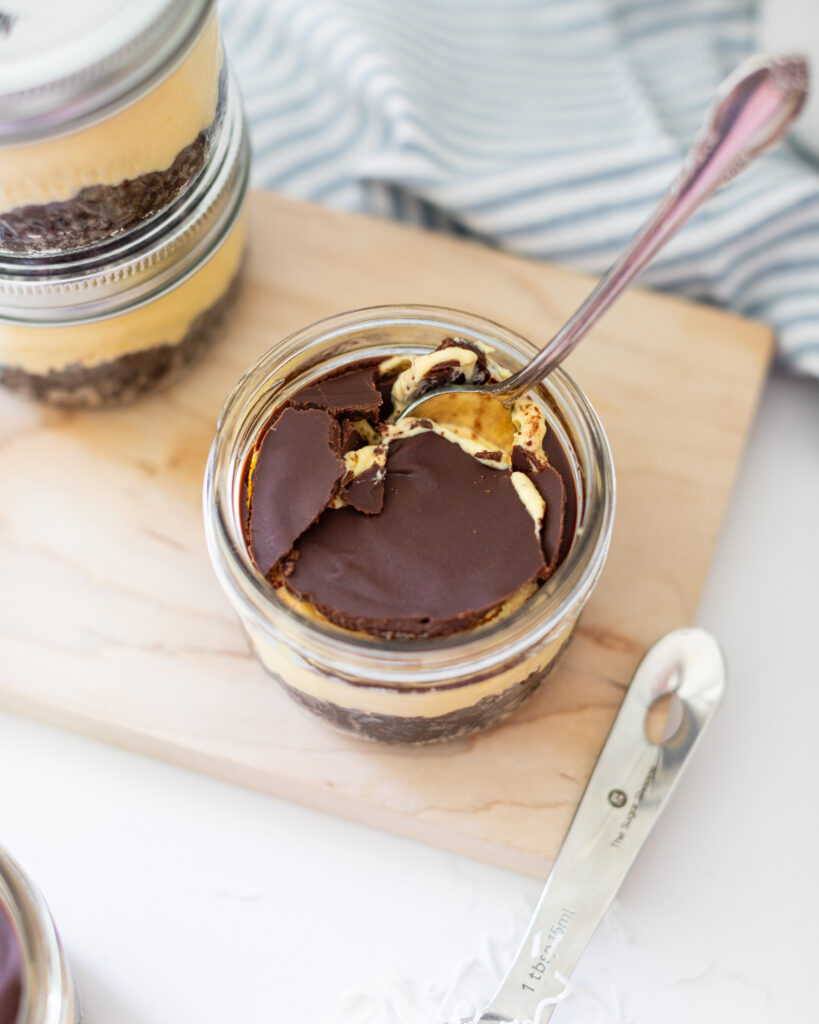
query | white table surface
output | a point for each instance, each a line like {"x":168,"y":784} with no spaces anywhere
{"x":183,"y":899}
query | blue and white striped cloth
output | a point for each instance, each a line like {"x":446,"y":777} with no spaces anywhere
{"x":547,"y":127}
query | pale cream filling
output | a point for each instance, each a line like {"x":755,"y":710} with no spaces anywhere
{"x":465,"y":437}
{"x":531,"y":498}
{"x":530,"y":429}
{"x":165,"y":320}
{"x":406,"y":383}
{"x":393,"y":364}
{"x":145,"y":137}
{"x":482,"y":416}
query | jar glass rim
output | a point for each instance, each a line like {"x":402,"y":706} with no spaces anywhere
{"x":379,"y":662}
{"x":43,"y":961}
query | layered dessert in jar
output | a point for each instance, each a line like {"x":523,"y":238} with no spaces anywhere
{"x":408,"y":579}
{"x":108,"y":113}
{"x":108,"y":323}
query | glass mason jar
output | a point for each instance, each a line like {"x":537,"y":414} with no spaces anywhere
{"x":413,"y":691}
{"x":108,"y":114}
{"x":46,"y":994}
{"x":117,"y":319}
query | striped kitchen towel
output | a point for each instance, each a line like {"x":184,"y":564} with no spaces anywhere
{"x":547,"y":127}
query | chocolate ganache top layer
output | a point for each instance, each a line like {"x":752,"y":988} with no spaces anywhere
{"x":419,"y":528}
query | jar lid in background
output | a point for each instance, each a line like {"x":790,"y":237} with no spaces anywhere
{"x":64,"y":65}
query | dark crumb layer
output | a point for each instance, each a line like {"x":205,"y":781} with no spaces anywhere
{"x":99,"y":213}
{"x":398,"y":729}
{"x":123,"y":379}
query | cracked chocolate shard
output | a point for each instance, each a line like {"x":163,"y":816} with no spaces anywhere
{"x":295,"y":473}
{"x":452,"y":542}
{"x":550,"y":487}
{"x":559,"y":460}
{"x":350,"y":437}
{"x":349,"y":393}
{"x":366,"y":492}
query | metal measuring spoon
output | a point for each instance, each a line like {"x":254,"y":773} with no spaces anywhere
{"x":628,"y":789}
{"x":753,"y":109}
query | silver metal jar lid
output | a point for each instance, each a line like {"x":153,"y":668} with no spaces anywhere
{"x":66,"y":64}
{"x":112,"y":277}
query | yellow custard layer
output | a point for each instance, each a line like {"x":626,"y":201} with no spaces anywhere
{"x":145,"y":137}
{"x":163,"y":321}
{"x":422,"y":702}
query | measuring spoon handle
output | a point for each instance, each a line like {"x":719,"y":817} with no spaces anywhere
{"x":631,"y":782}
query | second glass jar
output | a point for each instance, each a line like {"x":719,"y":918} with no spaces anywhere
{"x":109,"y":323}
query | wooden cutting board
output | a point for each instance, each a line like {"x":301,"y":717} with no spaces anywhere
{"x":112,"y":623}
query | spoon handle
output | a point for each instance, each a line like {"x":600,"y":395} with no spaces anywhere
{"x":752,"y":111}
{"x":626,"y":793}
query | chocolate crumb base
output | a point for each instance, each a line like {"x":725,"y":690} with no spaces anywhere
{"x":99,"y":213}
{"x":125,"y":378}
{"x":419,"y":730}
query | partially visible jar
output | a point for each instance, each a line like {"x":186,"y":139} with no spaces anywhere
{"x":420,"y":690}
{"x":36,"y":986}
{"x":108,"y":113}
{"x":117,"y":319}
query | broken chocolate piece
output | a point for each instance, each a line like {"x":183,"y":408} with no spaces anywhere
{"x":385,"y":389}
{"x":352,"y":392}
{"x":295,"y":475}
{"x":550,"y":487}
{"x":452,"y":542}
{"x":366,"y":492}
{"x":350,"y":437}
{"x":559,"y":460}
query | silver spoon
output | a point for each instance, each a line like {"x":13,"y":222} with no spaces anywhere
{"x":627,"y":791}
{"x":753,"y":110}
